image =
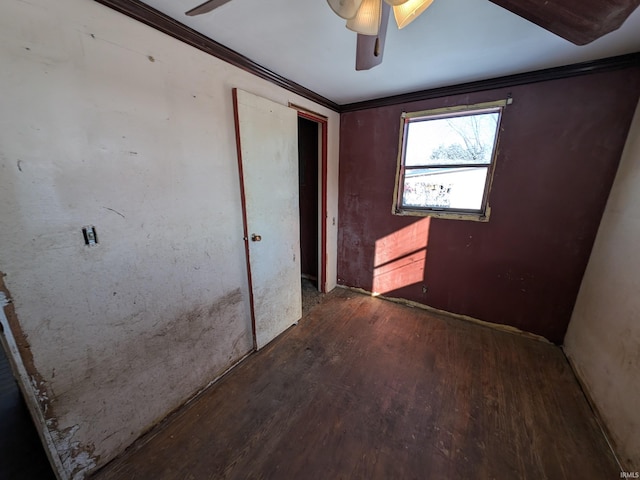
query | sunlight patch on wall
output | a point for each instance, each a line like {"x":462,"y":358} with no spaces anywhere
{"x":400,"y":257}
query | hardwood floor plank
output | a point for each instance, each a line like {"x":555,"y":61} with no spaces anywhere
{"x":365,"y":388}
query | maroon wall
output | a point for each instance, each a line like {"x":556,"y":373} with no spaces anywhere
{"x":559,"y":149}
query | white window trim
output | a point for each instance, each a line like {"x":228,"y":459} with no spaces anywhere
{"x":456,"y":215}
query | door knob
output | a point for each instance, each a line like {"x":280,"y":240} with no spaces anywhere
{"x":255,"y":238}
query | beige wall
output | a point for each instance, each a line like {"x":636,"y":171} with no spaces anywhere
{"x":603,"y":340}
{"x":107,"y":122}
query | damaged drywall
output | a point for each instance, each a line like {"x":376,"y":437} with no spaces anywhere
{"x":33,"y":387}
{"x":77,"y":460}
{"x":69,"y":458}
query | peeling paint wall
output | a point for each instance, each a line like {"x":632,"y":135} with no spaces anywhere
{"x":603,"y":339}
{"x":106,"y":122}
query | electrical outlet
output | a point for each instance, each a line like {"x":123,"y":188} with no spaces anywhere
{"x":90,"y":235}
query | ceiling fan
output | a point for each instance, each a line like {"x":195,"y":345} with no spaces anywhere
{"x":369,"y":18}
{"x":579,"y":21}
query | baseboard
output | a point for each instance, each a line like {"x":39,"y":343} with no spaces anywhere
{"x":457,"y":316}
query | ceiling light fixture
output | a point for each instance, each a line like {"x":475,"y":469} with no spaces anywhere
{"x":363,"y":16}
{"x":408,"y":11}
{"x":345,"y":8}
{"x":367,"y":18}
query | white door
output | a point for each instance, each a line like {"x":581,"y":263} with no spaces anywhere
{"x":267,"y":135}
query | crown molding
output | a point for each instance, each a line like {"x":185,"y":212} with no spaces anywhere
{"x":567,"y":71}
{"x":158,"y":20}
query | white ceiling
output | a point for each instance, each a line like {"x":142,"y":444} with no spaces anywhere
{"x":454,"y":41}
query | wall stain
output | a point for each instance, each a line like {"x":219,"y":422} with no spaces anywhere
{"x":193,"y":329}
{"x":628,"y":352}
{"x":232,"y":298}
{"x":234,"y":347}
{"x":191,"y":325}
{"x":144,"y":355}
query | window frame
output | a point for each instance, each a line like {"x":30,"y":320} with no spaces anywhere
{"x":406,"y":119}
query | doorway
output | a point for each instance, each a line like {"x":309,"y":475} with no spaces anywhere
{"x":312,"y":164}
{"x":308,"y":184}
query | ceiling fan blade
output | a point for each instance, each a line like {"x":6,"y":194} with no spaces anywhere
{"x":206,"y":7}
{"x":579,"y":21}
{"x":369,"y":48}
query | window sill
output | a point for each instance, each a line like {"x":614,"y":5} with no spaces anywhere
{"x":474,"y":217}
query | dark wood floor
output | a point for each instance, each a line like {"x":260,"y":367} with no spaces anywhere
{"x":365,"y":388}
{"x":22,"y":456}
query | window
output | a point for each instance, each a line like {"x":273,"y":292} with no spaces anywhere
{"x":446,"y":161}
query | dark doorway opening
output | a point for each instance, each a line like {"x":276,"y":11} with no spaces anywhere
{"x":308,"y":153}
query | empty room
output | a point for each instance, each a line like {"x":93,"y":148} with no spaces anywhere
{"x":321,"y":239}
